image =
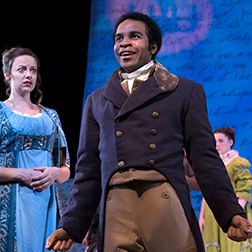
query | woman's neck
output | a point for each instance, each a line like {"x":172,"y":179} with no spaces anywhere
{"x":22,"y":104}
{"x":229,"y":156}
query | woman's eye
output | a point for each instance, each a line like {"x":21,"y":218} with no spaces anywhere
{"x":21,"y":70}
{"x":34,"y":70}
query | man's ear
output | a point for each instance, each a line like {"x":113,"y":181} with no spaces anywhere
{"x":153,"y":49}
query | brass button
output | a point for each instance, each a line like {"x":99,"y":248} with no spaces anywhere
{"x":165,"y":195}
{"x":153,"y":146}
{"x":40,"y":145}
{"x":155,"y":115}
{"x":121,"y":163}
{"x":30,"y":140}
{"x":119,"y":133}
{"x":151,"y":162}
{"x":153,"y":132}
{"x":42,"y":139}
{"x":29,"y":145}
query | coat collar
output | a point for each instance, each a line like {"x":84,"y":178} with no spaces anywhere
{"x":159,"y":82}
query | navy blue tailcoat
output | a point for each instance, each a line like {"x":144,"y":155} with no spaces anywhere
{"x":176,"y":109}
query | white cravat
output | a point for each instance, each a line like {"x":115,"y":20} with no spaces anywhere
{"x":141,"y":74}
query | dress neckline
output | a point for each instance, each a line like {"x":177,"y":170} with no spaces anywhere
{"x":23,"y":114}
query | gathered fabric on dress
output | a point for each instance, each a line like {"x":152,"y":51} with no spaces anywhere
{"x":214,"y":238}
{"x":32,"y":142}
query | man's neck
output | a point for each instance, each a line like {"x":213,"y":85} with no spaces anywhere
{"x":138,"y":72}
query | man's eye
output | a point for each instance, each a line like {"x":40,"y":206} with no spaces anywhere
{"x":135,"y":36}
{"x":118,"y":39}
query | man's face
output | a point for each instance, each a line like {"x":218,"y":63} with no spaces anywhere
{"x":131,"y":46}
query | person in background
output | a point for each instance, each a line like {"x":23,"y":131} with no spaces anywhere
{"x":130,"y":156}
{"x":33,"y":155}
{"x":241,"y":179}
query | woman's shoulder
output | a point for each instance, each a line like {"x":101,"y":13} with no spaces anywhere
{"x":240,"y":163}
{"x":49,"y":110}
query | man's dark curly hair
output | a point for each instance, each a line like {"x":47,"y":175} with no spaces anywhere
{"x":152,"y":29}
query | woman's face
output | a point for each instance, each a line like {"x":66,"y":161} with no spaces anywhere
{"x":223,"y":143}
{"x":23,"y":76}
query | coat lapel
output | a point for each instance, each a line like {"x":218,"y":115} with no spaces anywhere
{"x":114,"y":92}
{"x":161,"y":81}
{"x":146,"y":91}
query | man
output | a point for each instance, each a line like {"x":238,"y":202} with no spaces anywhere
{"x":130,"y":156}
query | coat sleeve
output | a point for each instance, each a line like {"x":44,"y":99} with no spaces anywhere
{"x":209,"y":169}
{"x":86,"y":192}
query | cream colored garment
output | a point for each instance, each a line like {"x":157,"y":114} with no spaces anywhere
{"x":141,"y":74}
{"x":229,"y":156}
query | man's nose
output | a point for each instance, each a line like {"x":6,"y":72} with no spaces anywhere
{"x":126,"y":42}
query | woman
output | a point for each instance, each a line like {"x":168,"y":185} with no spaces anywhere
{"x":33,"y":155}
{"x":238,"y":171}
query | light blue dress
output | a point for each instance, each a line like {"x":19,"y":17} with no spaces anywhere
{"x":36,"y":212}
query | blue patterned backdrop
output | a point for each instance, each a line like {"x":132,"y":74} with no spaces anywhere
{"x":208,"y":41}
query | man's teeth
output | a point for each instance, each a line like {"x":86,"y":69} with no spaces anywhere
{"x":126,"y":53}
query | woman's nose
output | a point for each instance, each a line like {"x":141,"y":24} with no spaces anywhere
{"x":28,"y":74}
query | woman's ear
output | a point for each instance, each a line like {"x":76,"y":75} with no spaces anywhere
{"x":7,"y":77}
{"x":231,"y":142}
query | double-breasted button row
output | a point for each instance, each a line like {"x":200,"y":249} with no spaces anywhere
{"x":155,"y":115}
{"x":153,"y":132}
